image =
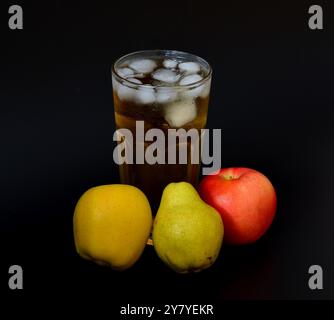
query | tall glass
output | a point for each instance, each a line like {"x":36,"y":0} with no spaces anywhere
{"x":163,"y":89}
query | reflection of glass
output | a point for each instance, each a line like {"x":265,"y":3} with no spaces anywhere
{"x":165,"y":89}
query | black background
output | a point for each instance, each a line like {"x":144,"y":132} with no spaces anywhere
{"x":272,"y":95}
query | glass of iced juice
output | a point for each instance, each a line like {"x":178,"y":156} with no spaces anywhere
{"x":161,"y":89}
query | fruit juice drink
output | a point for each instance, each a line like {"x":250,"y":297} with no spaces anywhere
{"x":166,"y":90}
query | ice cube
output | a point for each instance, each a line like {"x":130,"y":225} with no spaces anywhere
{"x":165,"y":75}
{"x":139,"y":75}
{"x":179,"y":113}
{"x":168,"y":63}
{"x":145,"y":94}
{"x":189,"y":67}
{"x":124,"y":72}
{"x":164,"y":95}
{"x":115,"y":84}
{"x":190,"y":79}
{"x":205,"y":89}
{"x":135,"y":80}
{"x":143,"y":65}
{"x":125,"y":93}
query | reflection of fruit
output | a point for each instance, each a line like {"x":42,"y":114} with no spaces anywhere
{"x":112,"y":224}
{"x":187,"y":233}
{"x":245,"y":199}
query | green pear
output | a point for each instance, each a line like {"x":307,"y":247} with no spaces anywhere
{"x":187,"y":232}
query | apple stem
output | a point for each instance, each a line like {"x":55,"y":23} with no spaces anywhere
{"x":228,"y":177}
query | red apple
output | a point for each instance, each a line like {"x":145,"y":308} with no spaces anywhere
{"x":245,"y":199}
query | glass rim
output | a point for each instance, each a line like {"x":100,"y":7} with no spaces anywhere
{"x":163,"y":53}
